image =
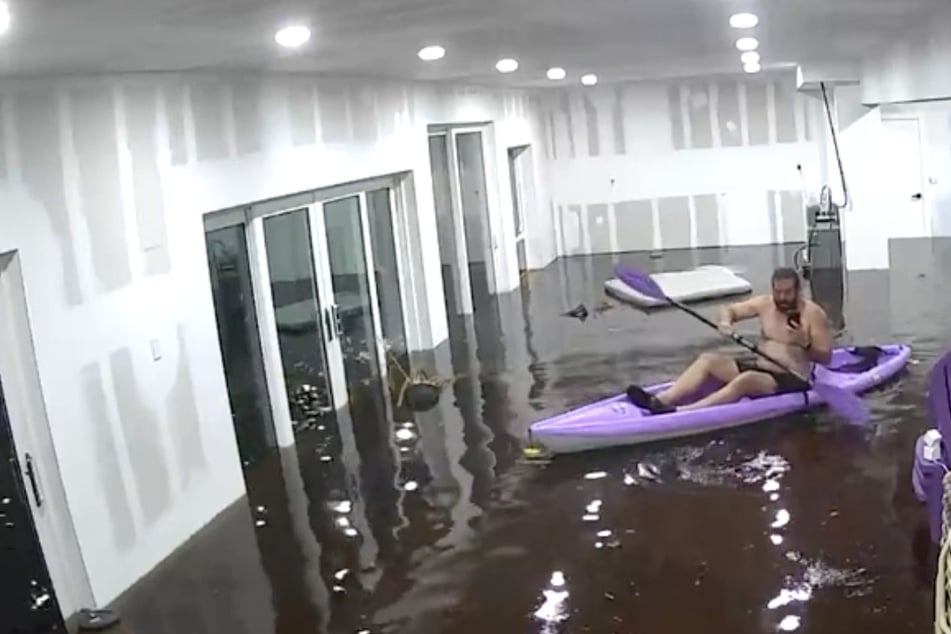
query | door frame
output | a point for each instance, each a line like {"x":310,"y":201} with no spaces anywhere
{"x":30,"y":430}
{"x":518,"y":156}
{"x":252,"y":217}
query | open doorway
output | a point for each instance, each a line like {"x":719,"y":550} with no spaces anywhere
{"x":27,"y":599}
{"x":44,"y":579}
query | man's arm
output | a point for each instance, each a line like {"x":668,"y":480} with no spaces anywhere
{"x":733,"y":313}
{"x":820,"y":343}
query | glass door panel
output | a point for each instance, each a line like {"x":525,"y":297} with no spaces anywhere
{"x":475,"y":213}
{"x":452,"y":257}
{"x":239,"y":338}
{"x":387,"y":278}
{"x":302,"y":326}
{"x":351,"y":289}
{"x":352,"y":297}
{"x":515,"y":181}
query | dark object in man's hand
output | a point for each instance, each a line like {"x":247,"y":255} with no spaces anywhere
{"x":794,"y":319}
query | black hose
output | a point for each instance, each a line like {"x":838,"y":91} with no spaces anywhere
{"x":835,"y":144}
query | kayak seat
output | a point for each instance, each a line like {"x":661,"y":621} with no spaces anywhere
{"x":867,"y":357}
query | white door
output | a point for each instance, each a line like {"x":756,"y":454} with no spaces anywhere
{"x":904,"y":188}
{"x":34,"y":445}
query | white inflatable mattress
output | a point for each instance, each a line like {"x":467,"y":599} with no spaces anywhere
{"x":705,"y":282}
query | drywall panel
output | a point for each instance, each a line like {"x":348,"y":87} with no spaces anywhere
{"x":635,"y":225}
{"x":140,"y":420}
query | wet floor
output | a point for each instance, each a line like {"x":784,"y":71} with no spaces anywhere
{"x":803,"y":524}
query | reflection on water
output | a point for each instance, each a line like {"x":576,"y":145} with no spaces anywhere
{"x":432,"y":522}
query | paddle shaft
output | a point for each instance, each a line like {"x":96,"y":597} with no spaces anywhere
{"x":735,"y":337}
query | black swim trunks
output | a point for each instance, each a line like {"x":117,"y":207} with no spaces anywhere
{"x":785,"y":382}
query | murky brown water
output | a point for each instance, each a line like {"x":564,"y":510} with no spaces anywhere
{"x":804,"y":524}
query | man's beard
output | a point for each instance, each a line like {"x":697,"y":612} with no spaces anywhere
{"x":787,"y":307}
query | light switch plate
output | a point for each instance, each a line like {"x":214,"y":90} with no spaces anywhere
{"x":156,"y":349}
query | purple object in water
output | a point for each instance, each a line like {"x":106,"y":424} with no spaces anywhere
{"x":616,"y":421}
{"x":927,"y":479}
{"x":927,"y":475}
{"x":939,"y":399}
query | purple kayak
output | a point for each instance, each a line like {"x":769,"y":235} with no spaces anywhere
{"x":616,"y":421}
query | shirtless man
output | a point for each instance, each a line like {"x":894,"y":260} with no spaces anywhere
{"x":795,"y":331}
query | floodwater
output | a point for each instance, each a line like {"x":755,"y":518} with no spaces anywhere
{"x":437,"y":524}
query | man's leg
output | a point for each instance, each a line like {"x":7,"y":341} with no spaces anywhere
{"x":707,"y":365}
{"x":750,"y":383}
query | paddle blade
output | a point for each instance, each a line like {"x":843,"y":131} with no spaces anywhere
{"x":640,"y":282}
{"x":846,"y":404}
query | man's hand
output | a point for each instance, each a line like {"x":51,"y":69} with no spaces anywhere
{"x":726,"y":327}
{"x":798,"y":335}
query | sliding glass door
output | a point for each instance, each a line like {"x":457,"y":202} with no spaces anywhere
{"x":460,"y":191}
{"x":304,"y":330}
{"x":325,"y":324}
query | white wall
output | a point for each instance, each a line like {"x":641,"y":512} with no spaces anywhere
{"x":686,"y":163}
{"x":913,"y":65}
{"x":878,"y":187}
{"x":864,"y":221}
{"x":103,"y":184}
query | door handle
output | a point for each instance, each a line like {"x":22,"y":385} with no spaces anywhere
{"x":916,"y":197}
{"x":329,"y":324}
{"x":34,"y":485}
{"x":337,"y":322}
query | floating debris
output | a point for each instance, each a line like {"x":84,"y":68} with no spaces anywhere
{"x":344,"y":506}
{"x":782,"y":518}
{"x":648,"y":471}
{"x":789,"y":623}
{"x":579,"y":312}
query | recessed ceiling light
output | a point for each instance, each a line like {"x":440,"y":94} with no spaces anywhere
{"x":4,"y":17}
{"x":589,"y":80}
{"x":747,"y":44}
{"x":292,"y":36}
{"x":743,"y":20}
{"x":752,"y":68}
{"x":750,"y":57}
{"x":432,"y":53}
{"x":556,"y":73}
{"x":507,"y":65}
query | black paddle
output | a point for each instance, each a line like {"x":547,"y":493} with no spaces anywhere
{"x":843,"y":402}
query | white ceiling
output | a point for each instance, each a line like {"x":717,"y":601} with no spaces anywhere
{"x":618,"y":39}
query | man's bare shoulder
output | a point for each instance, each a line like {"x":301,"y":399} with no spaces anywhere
{"x":815,"y":310}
